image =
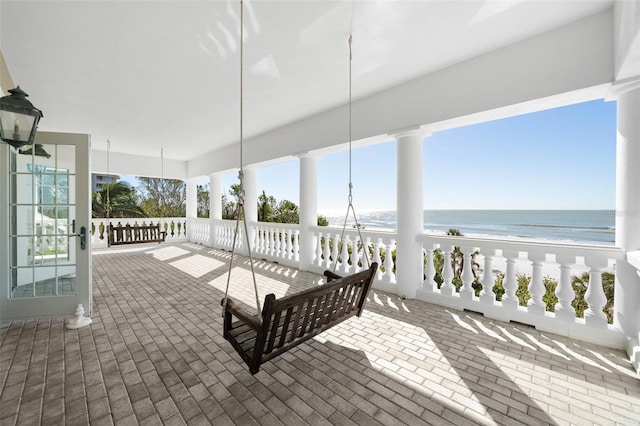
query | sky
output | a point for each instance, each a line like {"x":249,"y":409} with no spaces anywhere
{"x":562,"y":159}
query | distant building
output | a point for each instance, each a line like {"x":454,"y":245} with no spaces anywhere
{"x":99,"y":180}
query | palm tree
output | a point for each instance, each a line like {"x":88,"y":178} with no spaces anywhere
{"x":115,"y":200}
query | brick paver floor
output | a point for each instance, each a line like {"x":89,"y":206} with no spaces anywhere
{"x":154,"y":354}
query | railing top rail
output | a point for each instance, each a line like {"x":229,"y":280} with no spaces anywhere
{"x":275,"y":225}
{"x":261,"y":224}
{"x":524,"y":246}
{"x":354,"y":232}
{"x":137,"y":219}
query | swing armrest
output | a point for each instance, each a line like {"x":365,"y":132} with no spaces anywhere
{"x":331,"y":276}
{"x":244,"y":316}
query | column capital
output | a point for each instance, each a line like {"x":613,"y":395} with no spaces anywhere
{"x":620,"y":87}
{"x":420,"y":131}
{"x":307,"y":154}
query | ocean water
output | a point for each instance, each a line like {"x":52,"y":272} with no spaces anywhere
{"x":561,"y":226}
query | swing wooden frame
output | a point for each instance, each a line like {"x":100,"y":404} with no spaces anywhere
{"x":294,"y":319}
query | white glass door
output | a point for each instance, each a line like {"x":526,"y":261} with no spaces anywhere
{"x":49,"y":271}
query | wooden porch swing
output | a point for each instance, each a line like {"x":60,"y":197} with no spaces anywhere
{"x":134,"y":234}
{"x":282,"y":324}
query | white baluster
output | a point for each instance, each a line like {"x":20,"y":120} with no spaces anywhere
{"x":256,"y":240}
{"x":276,"y":243}
{"x":510,"y":283}
{"x":318,"y":260}
{"x":265,"y":242}
{"x":284,"y":244}
{"x":287,"y":246}
{"x":280,"y":243}
{"x":564,"y":292}
{"x":344,"y":266}
{"x":487,"y":295}
{"x":334,"y":252}
{"x":536,"y":286}
{"x":259,"y":240}
{"x":467,"y":292}
{"x":296,"y":246}
{"x":376,"y":251}
{"x":595,"y":297}
{"x":365,"y":252}
{"x":355,"y":255}
{"x":388,"y":263}
{"x":429,"y":283}
{"x":272,"y":243}
{"x":327,"y":251}
{"x":447,"y":287}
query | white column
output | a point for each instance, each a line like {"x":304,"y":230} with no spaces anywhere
{"x":192,"y":197}
{"x":308,"y":209}
{"x":251,"y":201}
{"x":410,"y":211}
{"x":627,"y":170}
{"x":627,"y":282}
{"x":215,"y":208}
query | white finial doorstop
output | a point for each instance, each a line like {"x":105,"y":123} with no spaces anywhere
{"x":80,"y":320}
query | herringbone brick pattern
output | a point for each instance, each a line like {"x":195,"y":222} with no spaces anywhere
{"x":154,"y":354}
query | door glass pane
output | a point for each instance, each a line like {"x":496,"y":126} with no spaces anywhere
{"x":22,"y":282}
{"x":24,"y":216}
{"x":45,"y":281}
{"x":25,"y":194}
{"x":24,"y":250}
{"x":42,"y":202}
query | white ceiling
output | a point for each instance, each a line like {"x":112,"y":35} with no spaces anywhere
{"x":152,"y":74}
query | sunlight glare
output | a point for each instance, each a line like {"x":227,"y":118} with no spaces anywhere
{"x":197,"y":265}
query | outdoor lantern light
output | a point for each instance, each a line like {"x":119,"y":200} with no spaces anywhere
{"x":18,"y":119}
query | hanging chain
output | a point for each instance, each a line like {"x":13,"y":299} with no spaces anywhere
{"x":162,"y":186}
{"x":241,"y":172}
{"x":240,"y":214}
{"x":350,"y":207}
{"x":350,"y":125}
{"x":108,"y":186}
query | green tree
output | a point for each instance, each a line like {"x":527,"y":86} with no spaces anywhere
{"x":266,"y":207}
{"x":162,"y":197}
{"x":322,"y":220}
{"x":230,"y":206}
{"x":287,"y":212}
{"x":121,"y":202}
{"x":203,"y":200}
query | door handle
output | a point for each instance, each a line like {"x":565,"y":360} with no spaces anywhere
{"x":83,"y":238}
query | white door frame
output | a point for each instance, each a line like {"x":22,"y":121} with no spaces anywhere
{"x":32,"y":307}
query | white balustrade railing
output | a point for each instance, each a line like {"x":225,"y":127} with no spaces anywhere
{"x":175,"y":227}
{"x":224,"y":234}
{"x":542,"y":263}
{"x":465,"y":276}
{"x":199,"y":230}
{"x":277,"y":242}
{"x":339,"y":255}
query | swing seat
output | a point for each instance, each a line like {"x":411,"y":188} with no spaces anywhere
{"x":293,"y":319}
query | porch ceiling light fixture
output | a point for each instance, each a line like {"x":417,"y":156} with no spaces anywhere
{"x":18,"y":119}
